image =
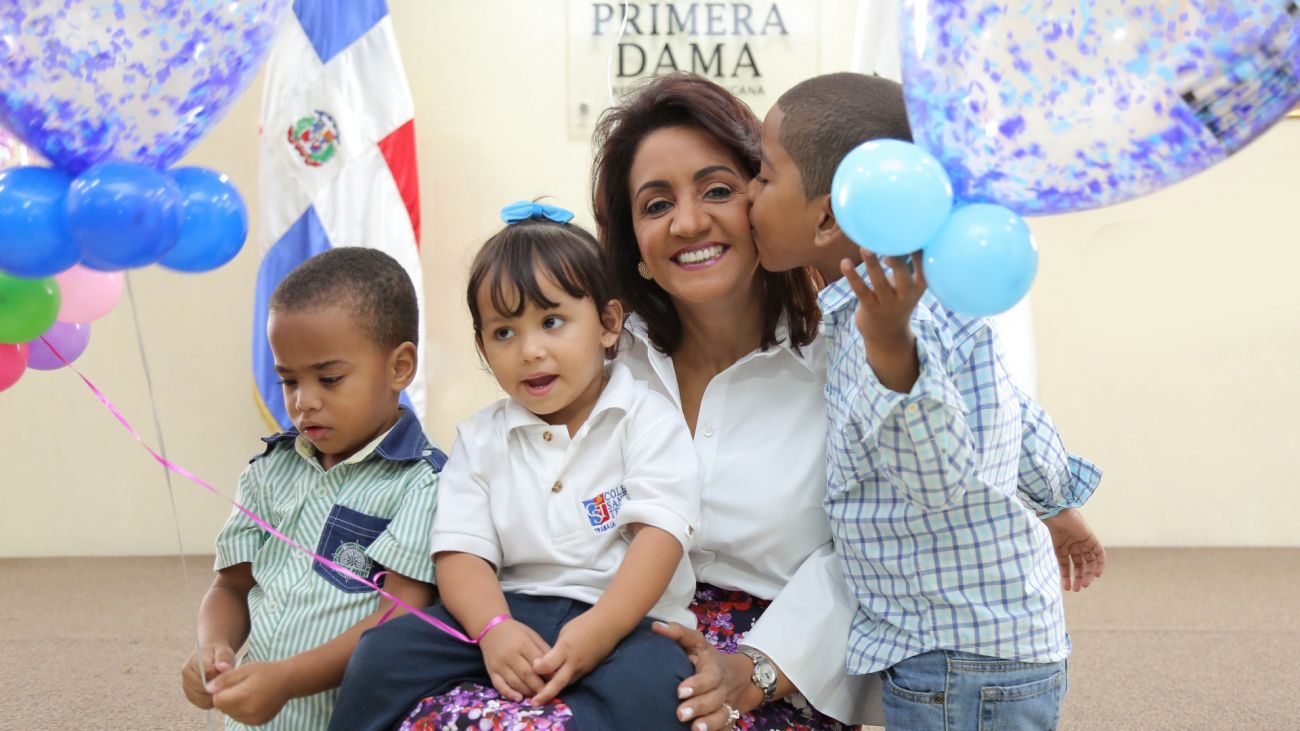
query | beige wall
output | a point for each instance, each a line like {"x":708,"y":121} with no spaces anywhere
{"x":1168,"y":330}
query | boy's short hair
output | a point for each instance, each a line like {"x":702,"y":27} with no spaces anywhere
{"x":369,"y":282}
{"x":827,"y":116}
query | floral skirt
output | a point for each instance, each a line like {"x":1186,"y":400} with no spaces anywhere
{"x":722,"y":616}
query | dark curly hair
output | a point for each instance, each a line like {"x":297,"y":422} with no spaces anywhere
{"x":371,"y":283}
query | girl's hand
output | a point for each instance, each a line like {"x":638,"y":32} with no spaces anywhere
{"x":721,"y":681}
{"x":509,"y":651}
{"x":582,"y":645}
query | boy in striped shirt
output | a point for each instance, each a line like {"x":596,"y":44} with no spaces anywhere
{"x":355,"y":481}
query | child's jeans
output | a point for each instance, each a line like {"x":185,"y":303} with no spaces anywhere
{"x":945,"y":690}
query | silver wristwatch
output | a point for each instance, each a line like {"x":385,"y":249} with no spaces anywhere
{"x":764,"y":672}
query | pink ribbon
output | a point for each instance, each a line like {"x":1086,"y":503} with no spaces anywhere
{"x":434,"y":621}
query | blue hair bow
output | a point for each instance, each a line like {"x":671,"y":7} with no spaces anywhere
{"x":524,"y":210}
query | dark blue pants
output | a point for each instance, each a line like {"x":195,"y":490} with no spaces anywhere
{"x":404,"y":660}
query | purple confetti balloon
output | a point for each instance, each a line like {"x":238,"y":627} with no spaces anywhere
{"x":1053,"y":106}
{"x":83,"y":81}
{"x":69,"y":338}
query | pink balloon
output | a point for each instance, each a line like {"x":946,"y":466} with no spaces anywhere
{"x":87,"y":294}
{"x":13,"y":361}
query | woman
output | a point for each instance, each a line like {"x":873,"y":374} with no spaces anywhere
{"x":736,"y":348}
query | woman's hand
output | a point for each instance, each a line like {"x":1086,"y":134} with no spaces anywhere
{"x":721,"y":681}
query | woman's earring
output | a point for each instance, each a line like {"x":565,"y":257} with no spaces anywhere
{"x":644,"y":270}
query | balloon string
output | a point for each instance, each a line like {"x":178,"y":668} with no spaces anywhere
{"x":609,"y":62}
{"x":167,"y":476}
{"x":270,"y":529}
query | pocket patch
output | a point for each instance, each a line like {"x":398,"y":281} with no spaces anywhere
{"x":344,"y":541}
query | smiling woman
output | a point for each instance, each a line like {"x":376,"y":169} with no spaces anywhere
{"x":735,"y":348}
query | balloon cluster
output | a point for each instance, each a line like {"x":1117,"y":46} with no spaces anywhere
{"x":895,"y":198}
{"x":1053,"y":106}
{"x":113,"y":97}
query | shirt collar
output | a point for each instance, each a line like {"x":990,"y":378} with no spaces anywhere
{"x":620,"y":392}
{"x":637,"y":326}
{"x":404,"y":442}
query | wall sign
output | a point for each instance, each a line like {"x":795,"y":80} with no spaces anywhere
{"x":756,"y":49}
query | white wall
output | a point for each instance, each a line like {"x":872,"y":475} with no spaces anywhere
{"x":1165,"y":326}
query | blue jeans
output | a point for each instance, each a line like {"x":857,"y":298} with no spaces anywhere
{"x":945,"y":690}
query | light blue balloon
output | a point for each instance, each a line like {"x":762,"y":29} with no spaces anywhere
{"x":33,"y":240}
{"x":123,"y":215}
{"x":890,"y":196}
{"x":215,"y":221}
{"x":982,"y":261}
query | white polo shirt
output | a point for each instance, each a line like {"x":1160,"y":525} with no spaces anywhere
{"x":761,"y":438}
{"x":550,"y":512}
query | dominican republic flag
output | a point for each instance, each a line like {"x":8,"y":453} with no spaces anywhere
{"x":337,"y":160}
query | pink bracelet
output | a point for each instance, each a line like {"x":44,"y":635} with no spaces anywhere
{"x":491,"y":623}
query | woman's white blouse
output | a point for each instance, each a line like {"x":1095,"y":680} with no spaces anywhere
{"x":761,"y":440}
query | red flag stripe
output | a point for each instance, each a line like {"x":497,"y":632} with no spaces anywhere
{"x":398,"y":150}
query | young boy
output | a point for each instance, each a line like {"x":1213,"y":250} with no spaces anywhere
{"x":939,"y":468}
{"x":355,"y":482}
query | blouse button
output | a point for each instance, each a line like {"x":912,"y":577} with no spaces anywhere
{"x":708,"y":431}
{"x":557,"y":486}
{"x":546,"y":437}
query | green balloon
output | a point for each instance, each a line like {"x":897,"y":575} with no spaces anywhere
{"x":27,"y":307}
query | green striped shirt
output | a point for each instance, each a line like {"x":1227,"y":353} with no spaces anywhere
{"x":371,"y":512}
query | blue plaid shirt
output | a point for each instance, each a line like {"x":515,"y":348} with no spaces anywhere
{"x":935,"y":496}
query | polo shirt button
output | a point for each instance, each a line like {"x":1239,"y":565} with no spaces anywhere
{"x":546,"y":437}
{"x":557,"y":486}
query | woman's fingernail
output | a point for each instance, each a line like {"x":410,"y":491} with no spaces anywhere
{"x":701,"y":726}
{"x":685,"y":692}
{"x":686,"y":713}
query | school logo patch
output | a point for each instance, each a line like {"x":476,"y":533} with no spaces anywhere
{"x":352,"y":556}
{"x":603,"y":509}
{"x":315,"y":138}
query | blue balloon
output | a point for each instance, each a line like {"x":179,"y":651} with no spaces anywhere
{"x":215,"y":221}
{"x":33,"y":240}
{"x":982,"y":261}
{"x":123,"y":215}
{"x":890,"y":197}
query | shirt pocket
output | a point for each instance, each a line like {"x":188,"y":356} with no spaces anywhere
{"x":347,"y":535}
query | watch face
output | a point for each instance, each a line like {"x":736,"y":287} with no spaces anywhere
{"x":766,"y":673}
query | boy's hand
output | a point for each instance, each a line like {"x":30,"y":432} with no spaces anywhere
{"x":217,"y":659}
{"x":582,"y":645}
{"x":252,"y":693}
{"x":884,"y":316}
{"x":1078,"y":549}
{"x":509,"y":651}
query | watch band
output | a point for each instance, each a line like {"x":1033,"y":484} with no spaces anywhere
{"x":761,"y":664}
